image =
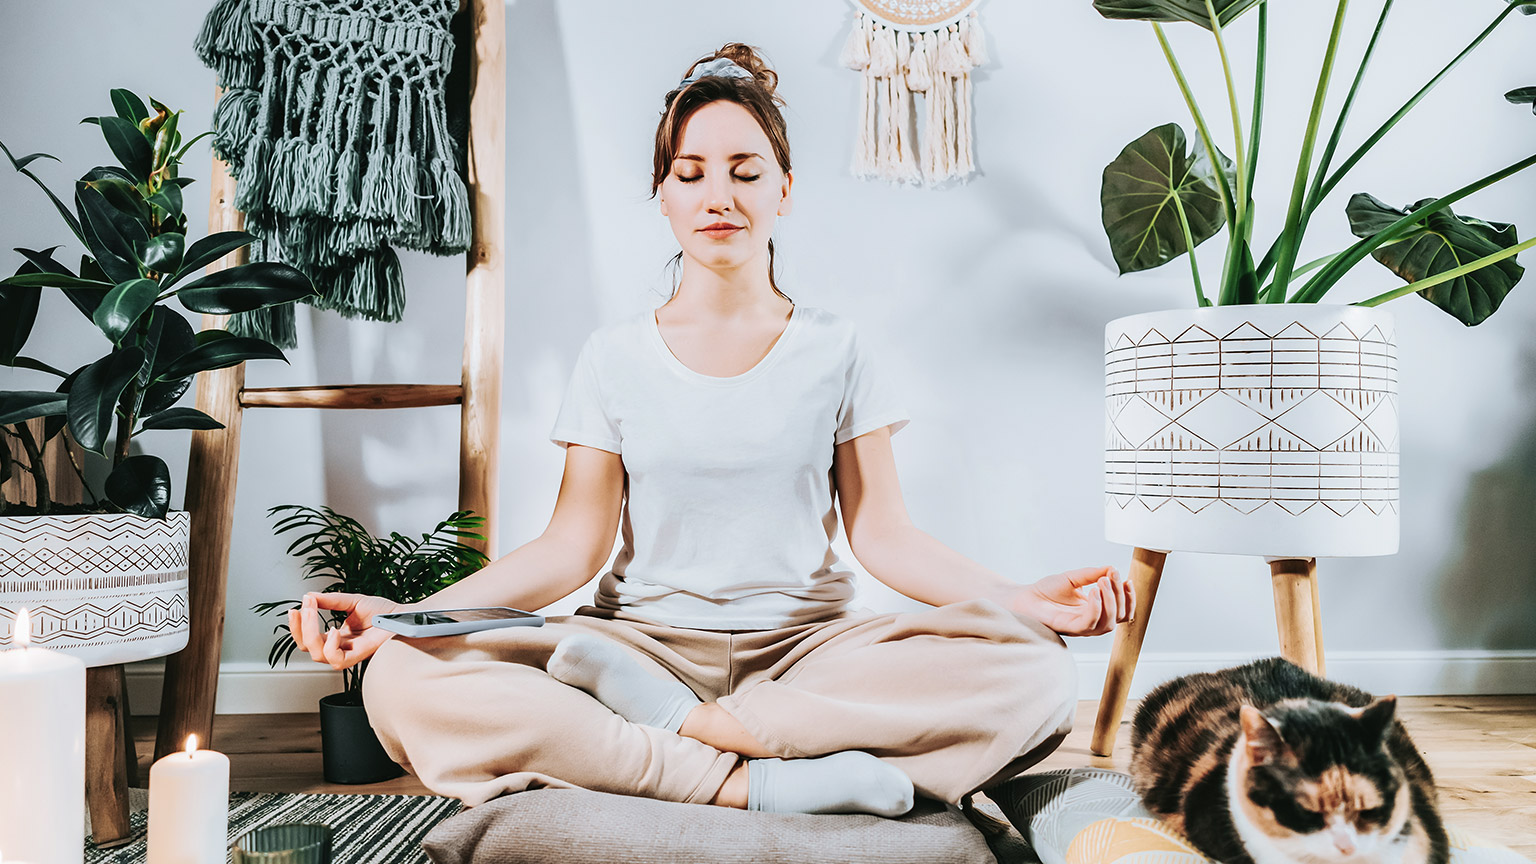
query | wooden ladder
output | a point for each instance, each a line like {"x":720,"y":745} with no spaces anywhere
{"x":192,"y":676}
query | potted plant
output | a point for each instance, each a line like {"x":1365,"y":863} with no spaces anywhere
{"x":1262,"y":422}
{"x":108,"y":578}
{"x":397,"y":568}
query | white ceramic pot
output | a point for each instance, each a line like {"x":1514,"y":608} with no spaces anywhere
{"x":105,"y":588}
{"x":1255,"y":430}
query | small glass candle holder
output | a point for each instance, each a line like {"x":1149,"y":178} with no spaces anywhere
{"x":284,"y":844}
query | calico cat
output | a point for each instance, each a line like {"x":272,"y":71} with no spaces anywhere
{"x":1269,"y":764}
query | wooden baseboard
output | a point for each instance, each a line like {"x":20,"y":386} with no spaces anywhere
{"x":252,"y":688}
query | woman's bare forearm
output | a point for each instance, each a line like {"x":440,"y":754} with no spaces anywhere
{"x":918,"y":565}
{"x":530,"y":577}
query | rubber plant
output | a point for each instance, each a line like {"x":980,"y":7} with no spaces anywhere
{"x":397,"y":567}
{"x":138,"y":256}
{"x":1162,"y":198}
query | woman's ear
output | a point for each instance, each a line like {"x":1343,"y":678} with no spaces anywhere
{"x":663,"y":206}
{"x":786,"y":202}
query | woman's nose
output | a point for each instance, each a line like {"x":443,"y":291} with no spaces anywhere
{"x":719,"y":199}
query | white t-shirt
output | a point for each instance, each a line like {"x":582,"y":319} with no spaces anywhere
{"x":728,"y":518}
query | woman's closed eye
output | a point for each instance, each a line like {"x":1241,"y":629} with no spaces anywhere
{"x":696,"y":177}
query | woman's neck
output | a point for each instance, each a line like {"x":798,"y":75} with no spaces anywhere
{"x":743,"y":292}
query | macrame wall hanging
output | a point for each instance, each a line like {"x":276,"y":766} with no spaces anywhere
{"x":335,"y":124}
{"x":905,"y":48}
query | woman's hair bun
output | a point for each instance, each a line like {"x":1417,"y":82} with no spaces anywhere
{"x":748,"y":58}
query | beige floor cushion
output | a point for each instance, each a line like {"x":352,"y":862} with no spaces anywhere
{"x":546,"y":826}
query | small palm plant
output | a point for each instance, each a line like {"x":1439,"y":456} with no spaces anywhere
{"x":396,"y":567}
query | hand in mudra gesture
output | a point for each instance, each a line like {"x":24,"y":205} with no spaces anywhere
{"x":1088,"y":601}
{"x":351,"y":643}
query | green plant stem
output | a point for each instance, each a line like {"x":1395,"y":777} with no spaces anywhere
{"x":1261,"y":51}
{"x":1338,"y":125}
{"x":1370,"y":142}
{"x":1438,"y":278}
{"x":1241,"y":204}
{"x":1189,"y":247}
{"x":39,"y":472}
{"x":1290,"y":238}
{"x":1305,"y":268}
{"x":74,"y":463}
{"x":1205,"y":132}
{"x":1319,"y":285}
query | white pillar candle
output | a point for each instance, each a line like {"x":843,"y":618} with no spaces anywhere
{"x":189,"y":807}
{"x":42,"y":751}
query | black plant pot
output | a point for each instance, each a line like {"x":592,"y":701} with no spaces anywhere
{"x":351,"y":751}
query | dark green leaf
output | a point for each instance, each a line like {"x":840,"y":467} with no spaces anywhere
{"x":168,"y":199}
{"x":1524,"y":95}
{"x":220,"y":354}
{"x":1139,"y":194}
{"x":244,"y":288}
{"x":1444,"y":242}
{"x":176,"y":338}
{"x":113,"y":237}
{"x":95,"y":394}
{"x":128,"y":144}
{"x":55,"y":280}
{"x":19,"y":406}
{"x":1193,"y":11}
{"x":129,"y":106}
{"x":44,"y":260}
{"x":124,"y":196}
{"x":18,"y":312}
{"x":163,"y":252}
{"x":141,"y":485}
{"x":38,"y":366}
{"x":163,"y":394}
{"x":210,"y":249}
{"x":123,"y":306}
{"x":21,"y":165}
{"x":181,"y":418}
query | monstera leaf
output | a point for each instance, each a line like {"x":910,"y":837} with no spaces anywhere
{"x":1193,"y":11}
{"x":1446,"y":241}
{"x":1138,"y":196}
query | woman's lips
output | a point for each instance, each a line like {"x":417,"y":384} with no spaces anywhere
{"x":718,"y":233}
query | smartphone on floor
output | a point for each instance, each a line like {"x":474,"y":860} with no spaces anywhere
{"x":453,"y":622}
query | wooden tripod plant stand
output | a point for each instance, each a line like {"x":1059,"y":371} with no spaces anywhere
{"x":1297,"y":615}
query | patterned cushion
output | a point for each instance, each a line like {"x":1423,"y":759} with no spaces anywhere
{"x":1092,"y":816}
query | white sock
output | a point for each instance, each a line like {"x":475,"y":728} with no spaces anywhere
{"x":848,"y":782}
{"x":603,"y":669}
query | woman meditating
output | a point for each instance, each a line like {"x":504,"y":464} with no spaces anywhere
{"x":721,"y":662}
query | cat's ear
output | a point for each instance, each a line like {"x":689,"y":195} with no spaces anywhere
{"x":1376,"y":718}
{"x":1261,"y":737}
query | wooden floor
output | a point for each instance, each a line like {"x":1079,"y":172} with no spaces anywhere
{"x":1482,"y":750}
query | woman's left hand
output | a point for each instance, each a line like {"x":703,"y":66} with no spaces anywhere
{"x":1085,"y":602}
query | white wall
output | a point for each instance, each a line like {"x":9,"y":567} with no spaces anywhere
{"x":986,"y":300}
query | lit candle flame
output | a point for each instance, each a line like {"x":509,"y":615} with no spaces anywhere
{"x":191,"y":745}
{"x":21,"y":631}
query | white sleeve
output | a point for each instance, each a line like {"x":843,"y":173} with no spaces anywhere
{"x":583,"y":419}
{"x":869,"y":401}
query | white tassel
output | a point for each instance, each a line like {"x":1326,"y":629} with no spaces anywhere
{"x":882,"y":64}
{"x":975,"y":39}
{"x":907,"y":171}
{"x":864,"y":164}
{"x":856,"y":50}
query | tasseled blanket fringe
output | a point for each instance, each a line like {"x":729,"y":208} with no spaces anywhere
{"x":338,"y":159}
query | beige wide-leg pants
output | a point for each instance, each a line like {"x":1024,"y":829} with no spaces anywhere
{"x":958,"y":697}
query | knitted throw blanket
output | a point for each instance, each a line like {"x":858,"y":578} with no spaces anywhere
{"x":334,"y":125}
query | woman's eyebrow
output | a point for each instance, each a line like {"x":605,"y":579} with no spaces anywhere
{"x":735,"y":157}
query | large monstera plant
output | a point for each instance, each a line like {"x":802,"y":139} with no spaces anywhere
{"x":129,"y":219}
{"x":1164,"y":195}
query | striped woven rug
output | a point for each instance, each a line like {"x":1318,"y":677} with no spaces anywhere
{"x":370,"y":829}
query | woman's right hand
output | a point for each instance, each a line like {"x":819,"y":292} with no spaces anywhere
{"x":351,"y":643}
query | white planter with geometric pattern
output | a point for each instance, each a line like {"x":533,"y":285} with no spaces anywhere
{"x":1266,"y":430}
{"x":104,"y":588}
